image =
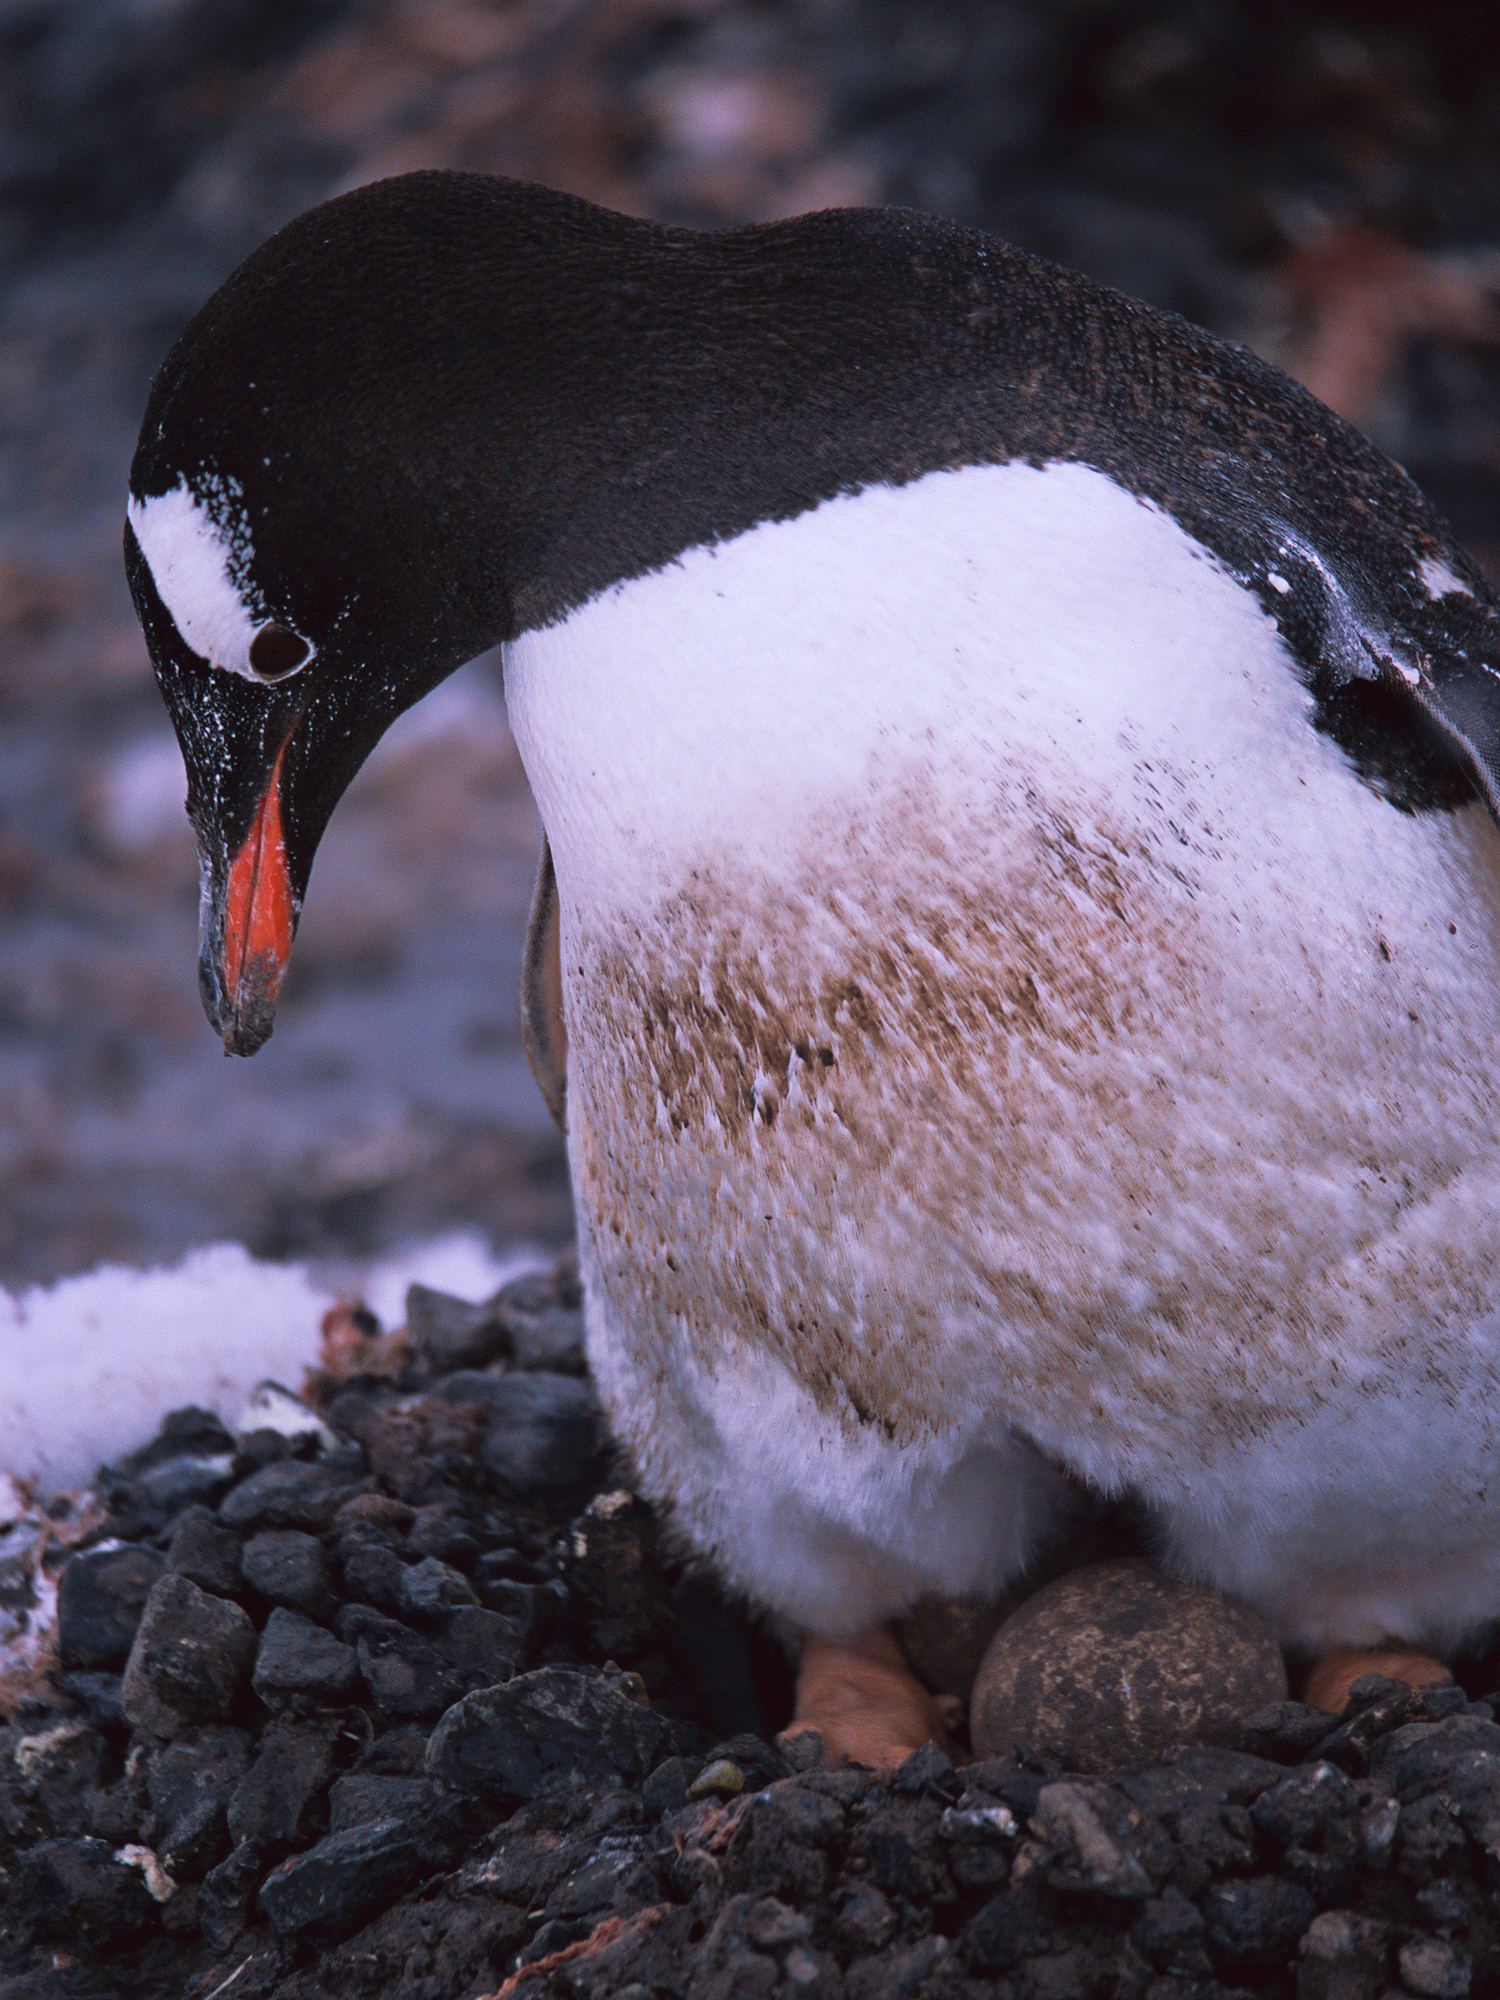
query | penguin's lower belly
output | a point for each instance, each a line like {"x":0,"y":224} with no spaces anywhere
{"x":896,"y":1199}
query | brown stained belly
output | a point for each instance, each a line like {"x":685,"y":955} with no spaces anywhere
{"x":948,"y":1150}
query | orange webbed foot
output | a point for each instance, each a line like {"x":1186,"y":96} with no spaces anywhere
{"x":1329,"y":1682}
{"x":864,"y":1703}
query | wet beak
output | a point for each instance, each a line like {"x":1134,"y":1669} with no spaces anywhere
{"x":248,"y":927}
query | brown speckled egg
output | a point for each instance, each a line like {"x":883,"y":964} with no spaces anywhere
{"x":1117,"y":1661}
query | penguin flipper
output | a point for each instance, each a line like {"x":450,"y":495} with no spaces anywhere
{"x":544,"y":1036}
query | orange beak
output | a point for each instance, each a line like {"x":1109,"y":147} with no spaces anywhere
{"x":260,"y":921}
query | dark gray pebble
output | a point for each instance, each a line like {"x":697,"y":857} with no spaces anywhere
{"x":487,"y":1646}
{"x":543,"y":1432}
{"x":190,"y":1432}
{"x":289,"y":1494}
{"x":80,"y":1888}
{"x":100,"y":1598}
{"x":429,"y":1590}
{"x":545,"y":1730}
{"x":328,"y":1889}
{"x":279,"y":1801}
{"x":361,"y":1797}
{"x":225,"y":1893}
{"x":666,"y":1790}
{"x":190,"y":1659}
{"x":300,"y":1665}
{"x":206,"y":1552}
{"x":406,"y":1674}
{"x":189,"y":1786}
{"x":552,"y":1339}
{"x":290,"y":1567}
{"x":372,"y":1571}
{"x":98,"y":1695}
{"x":1417,"y":1759}
{"x":1257,"y":1922}
{"x":447,"y":1333}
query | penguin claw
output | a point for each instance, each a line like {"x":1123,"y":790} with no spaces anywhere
{"x":1329,"y":1682}
{"x":859,"y":1703}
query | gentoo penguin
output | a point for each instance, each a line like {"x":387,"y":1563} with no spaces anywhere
{"x":1017,"y":937}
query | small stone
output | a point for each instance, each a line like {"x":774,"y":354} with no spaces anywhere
{"x":186,"y":1482}
{"x":530,"y":1609}
{"x":430,"y":1589}
{"x":1284,"y":1731}
{"x":406,"y":1674}
{"x":1067,"y":1817}
{"x":720,"y":1779}
{"x":80,"y":1888}
{"x":1436,"y":1968}
{"x":1412,"y":1761}
{"x":1256,"y":1922}
{"x":331,"y":1887}
{"x":206,"y":1552}
{"x":189,"y":1787}
{"x":552,"y":1340}
{"x":1296,"y":1811}
{"x":1116,"y":1662}
{"x":373,"y":1572}
{"x":1344,"y":1957}
{"x":543,"y":1432}
{"x":435,"y":1532}
{"x":484,"y":1646}
{"x":760,"y":1763}
{"x":1168,"y":1927}
{"x":290,"y":1567}
{"x":99,"y":1697}
{"x":927,"y":1769}
{"x":301,"y":1666}
{"x":666,"y":1790}
{"x":277,"y":1802}
{"x":362,"y":1797}
{"x":446,"y":1333}
{"x":190,"y":1460}
{"x":593,"y":1887}
{"x":1378,"y":1707}
{"x":770,"y":1924}
{"x":190,"y":1658}
{"x":375,"y":1510}
{"x":190,"y":1432}
{"x":866,"y":1922}
{"x":225,"y":1892}
{"x":292,"y":1493}
{"x":544,"y":1730}
{"x":801,"y":1969}
{"x":101,"y":1596}
{"x":802,"y":1748}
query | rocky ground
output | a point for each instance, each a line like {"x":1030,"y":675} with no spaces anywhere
{"x":406,"y":1695}
{"x":351,"y":1702}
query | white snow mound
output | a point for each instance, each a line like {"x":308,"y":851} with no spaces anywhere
{"x":90,"y":1365}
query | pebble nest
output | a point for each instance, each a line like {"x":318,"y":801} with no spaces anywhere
{"x":401,"y":1691}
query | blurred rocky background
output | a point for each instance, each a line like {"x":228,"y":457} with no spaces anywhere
{"x":1320,"y":180}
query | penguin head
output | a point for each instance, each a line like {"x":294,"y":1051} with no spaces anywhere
{"x":291,"y":565}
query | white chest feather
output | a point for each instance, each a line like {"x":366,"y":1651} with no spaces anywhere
{"x":994,"y":1010}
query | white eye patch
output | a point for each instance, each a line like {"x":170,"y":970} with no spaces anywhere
{"x":191,"y":561}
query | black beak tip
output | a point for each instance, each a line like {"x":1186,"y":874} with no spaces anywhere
{"x":243,"y":1024}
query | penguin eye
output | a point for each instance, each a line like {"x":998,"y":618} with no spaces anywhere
{"x":275,"y":652}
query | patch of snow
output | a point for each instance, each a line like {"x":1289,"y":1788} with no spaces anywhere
{"x":90,"y":1365}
